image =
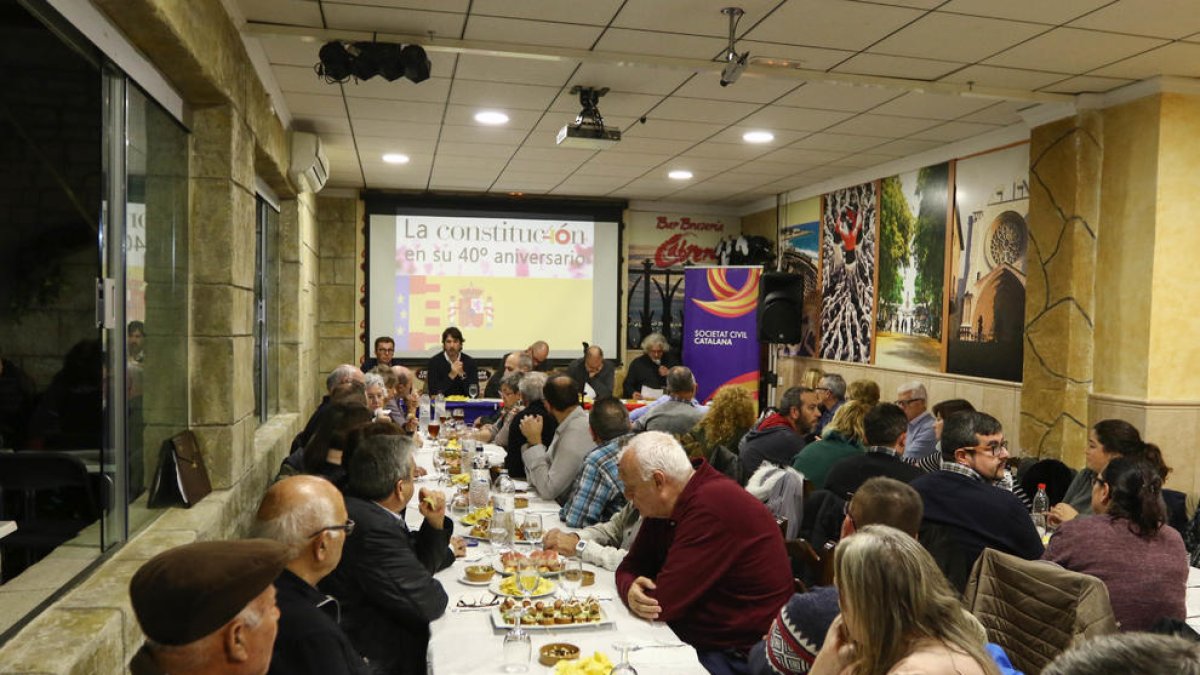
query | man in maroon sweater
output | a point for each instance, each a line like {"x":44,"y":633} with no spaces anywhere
{"x":709,"y":559}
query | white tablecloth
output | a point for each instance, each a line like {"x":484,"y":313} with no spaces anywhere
{"x":464,"y":642}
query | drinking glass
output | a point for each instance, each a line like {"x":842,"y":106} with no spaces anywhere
{"x":439,"y":466}
{"x":624,"y":667}
{"x":528,"y":576}
{"x":518,"y":648}
{"x":435,"y":427}
{"x":473,"y":390}
{"x":498,"y":533}
{"x":533,"y":527}
{"x":572,"y":576}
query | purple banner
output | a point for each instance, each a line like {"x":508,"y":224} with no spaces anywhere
{"x":720,"y":336}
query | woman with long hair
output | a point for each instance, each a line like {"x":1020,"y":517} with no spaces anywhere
{"x":1107,"y":440}
{"x":899,"y":614}
{"x":843,"y":437}
{"x":1128,"y":545}
{"x":715,"y":437}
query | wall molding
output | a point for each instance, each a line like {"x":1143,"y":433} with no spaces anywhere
{"x":1118,"y":399}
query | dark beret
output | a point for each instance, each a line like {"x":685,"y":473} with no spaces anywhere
{"x":188,"y":592}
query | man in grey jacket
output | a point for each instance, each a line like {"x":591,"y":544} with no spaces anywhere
{"x":552,"y":471}
{"x":681,"y":412}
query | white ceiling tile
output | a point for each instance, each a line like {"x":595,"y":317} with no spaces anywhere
{"x":489,"y":150}
{"x":916,"y":4}
{"x":593,"y":12}
{"x":898,"y":66}
{"x":501,"y":95}
{"x":771,"y":169}
{"x":612,"y":104}
{"x":837,"y":24}
{"x":527,"y":32}
{"x":505,"y":69}
{"x":302,"y":80}
{"x":1039,"y":11}
{"x":795,"y":119}
{"x":646,"y":144}
{"x":376,"y":146}
{"x":661,"y":44}
{"x":525,"y":182}
{"x":433,"y":90}
{"x":392,"y":20}
{"x":834,"y":96}
{"x":904,"y":147}
{"x":954,"y":37}
{"x":803,"y":155}
{"x":1087,"y":85}
{"x":734,"y":179}
{"x":622,"y":172}
{"x":674,"y":129}
{"x":954,"y":131}
{"x":1002,"y":113}
{"x":750,"y":88}
{"x":738,"y":151}
{"x":1178,"y":58}
{"x":630,"y":159}
{"x":1172,"y":19}
{"x":323,"y":105}
{"x":395,"y":111}
{"x":1074,"y":50}
{"x":792,"y":56}
{"x":696,"y":17}
{"x":475,"y":133}
{"x":733,"y":135}
{"x":707,"y":166}
{"x":560,"y":169}
{"x":397,"y":129}
{"x":523,"y":120}
{"x":870,"y":124}
{"x":440,"y":180}
{"x":842,"y":142}
{"x":861,"y":161}
{"x":455,"y":6}
{"x":470,"y":165}
{"x":290,"y":12}
{"x":701,"y":110}
{"x":1004,"y":78}
{"x":323,"y":125}
{"x":631,"y":78}
{"x":932,"y":106}
{"x":292,"y":51}
{"x":561,"y":155}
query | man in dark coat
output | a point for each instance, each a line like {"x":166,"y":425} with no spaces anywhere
{"x":450,"y":371}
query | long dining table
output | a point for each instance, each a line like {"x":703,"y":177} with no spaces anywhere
{"x":466,"y":641}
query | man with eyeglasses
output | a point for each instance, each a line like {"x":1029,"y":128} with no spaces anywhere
{"x":385,"y":349}
{"x":964,"y":511}
{"x":308,"y":515}
{"x":385,"y":580}
{"x":921,"y":439}
{"x":831,"y":394}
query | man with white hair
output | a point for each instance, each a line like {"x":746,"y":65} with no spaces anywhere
{"x":709,"y":559}
{"x":308,"y":515}
{"x":921,"y":439}
{"x":831,"y":393}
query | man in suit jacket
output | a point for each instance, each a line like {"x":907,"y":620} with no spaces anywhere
{"x":450,"y":371}
{"x":385,"y":580}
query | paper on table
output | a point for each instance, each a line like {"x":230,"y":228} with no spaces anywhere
{"x":650,"y":394}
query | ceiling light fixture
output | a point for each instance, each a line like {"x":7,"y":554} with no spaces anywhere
{"x":395,"y":158}
{"x":758,"y":137}
{"x":491,"y":117}
{"x":735,"y":64}
{"x":680,"y":174}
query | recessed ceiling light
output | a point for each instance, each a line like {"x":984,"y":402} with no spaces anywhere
{"x":679,"y":174}
{"x":395,"y":158}
{"x":758,"y":137}
{"x":491,"y":117}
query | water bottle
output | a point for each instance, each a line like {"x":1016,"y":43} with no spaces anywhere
{"x":423,"y":412}
{"x":506,"y":504}
{"x":1041,"y":504}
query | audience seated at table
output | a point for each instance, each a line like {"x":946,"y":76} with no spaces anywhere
{"x":797,"y":633}
{"x":884,"y":429}
{"x":376,"y":388}
{"x":551,"y":470}
{"x":603,"y":544}
{"x":385,"y":580}
{"x":451,"y":371}
{"x":385,"y":351}
{"x":514,"y":362}
{"x":499,"y":430}
{"x":1128,"y":545}
{"x":843,"y":437}
{"x":597,"y":492}
{"x":680,"y":411}
{"x":780,"y":436}
{"x":538,"y":353}
{"x":323,"y":454}
{"x":1107,"y":440}
{"x":532,"y":386}
{"x":964,"y":511}
{"x":941,"y":410}
{"x":650,"y":369}
{"x":403,"y":399}
{"x":1129,"y":654}
{"x":898,"y":613}
{"x":715,"y":438}
{"x":911,"y":398}
{"x":865,"y":391}
{"x":339,"y":384}
{"x":308,"y":515}
{"x":594,"y":373}
{"x":709,"y":560}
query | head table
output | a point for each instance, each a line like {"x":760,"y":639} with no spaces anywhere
{"x":464,"y":641}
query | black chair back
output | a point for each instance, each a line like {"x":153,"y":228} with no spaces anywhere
{"x":50,"y":496}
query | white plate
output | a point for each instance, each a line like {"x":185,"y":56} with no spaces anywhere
{"x":464,"y":580}
{"x":498,"y":622}
{"x":499,"y":567}
{"x":494,"y":587}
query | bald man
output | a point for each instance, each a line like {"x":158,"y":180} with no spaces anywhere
{"x":308,"y":515}
{"x":539,"y":351}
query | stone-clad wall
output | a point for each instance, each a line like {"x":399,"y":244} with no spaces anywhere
{"x":339,"y":220}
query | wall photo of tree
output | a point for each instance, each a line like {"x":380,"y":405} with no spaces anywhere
{"x":988,"y":246}
{"x":913,"y":210}
{"x":849,"y":230}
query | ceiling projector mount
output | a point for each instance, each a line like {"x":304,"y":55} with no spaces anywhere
{"x":735,"y":64}
{"x":588,"y":130}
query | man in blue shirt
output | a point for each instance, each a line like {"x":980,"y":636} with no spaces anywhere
{"x":921,"y":439}
{"x":598,"y":493}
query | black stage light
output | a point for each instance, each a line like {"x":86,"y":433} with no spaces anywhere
{"x":366,"y":60}
{"x":416,"y":63}
{"x":335,"y":62}
{"x":391,"y":65}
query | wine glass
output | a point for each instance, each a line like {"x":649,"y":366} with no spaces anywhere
{"x":473,"y":390}
{"x":528,"y":576}
{"x":624,"y":667}
{"x":572,"y":576}
{"x":533,"y":527}
{"x":440,"y":466}
{"x":518,"y":648}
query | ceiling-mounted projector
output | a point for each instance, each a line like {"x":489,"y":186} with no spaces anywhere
{"x":588,"y":130}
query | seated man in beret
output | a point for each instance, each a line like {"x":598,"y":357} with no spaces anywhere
{"x":308,"y":515}
{"x":208,"y":607}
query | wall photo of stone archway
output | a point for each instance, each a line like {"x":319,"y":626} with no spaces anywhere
{"x":988,"y":246}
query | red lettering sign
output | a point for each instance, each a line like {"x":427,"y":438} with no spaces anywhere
{"x":680,"y":249}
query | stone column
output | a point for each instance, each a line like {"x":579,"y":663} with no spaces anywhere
{"x":1064,"y":205}
{"x":338,"y":221}
{"x":301,"y":385}
{"x":222,"y":270}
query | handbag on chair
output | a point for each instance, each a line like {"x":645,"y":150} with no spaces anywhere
{"x":181,"y":477}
